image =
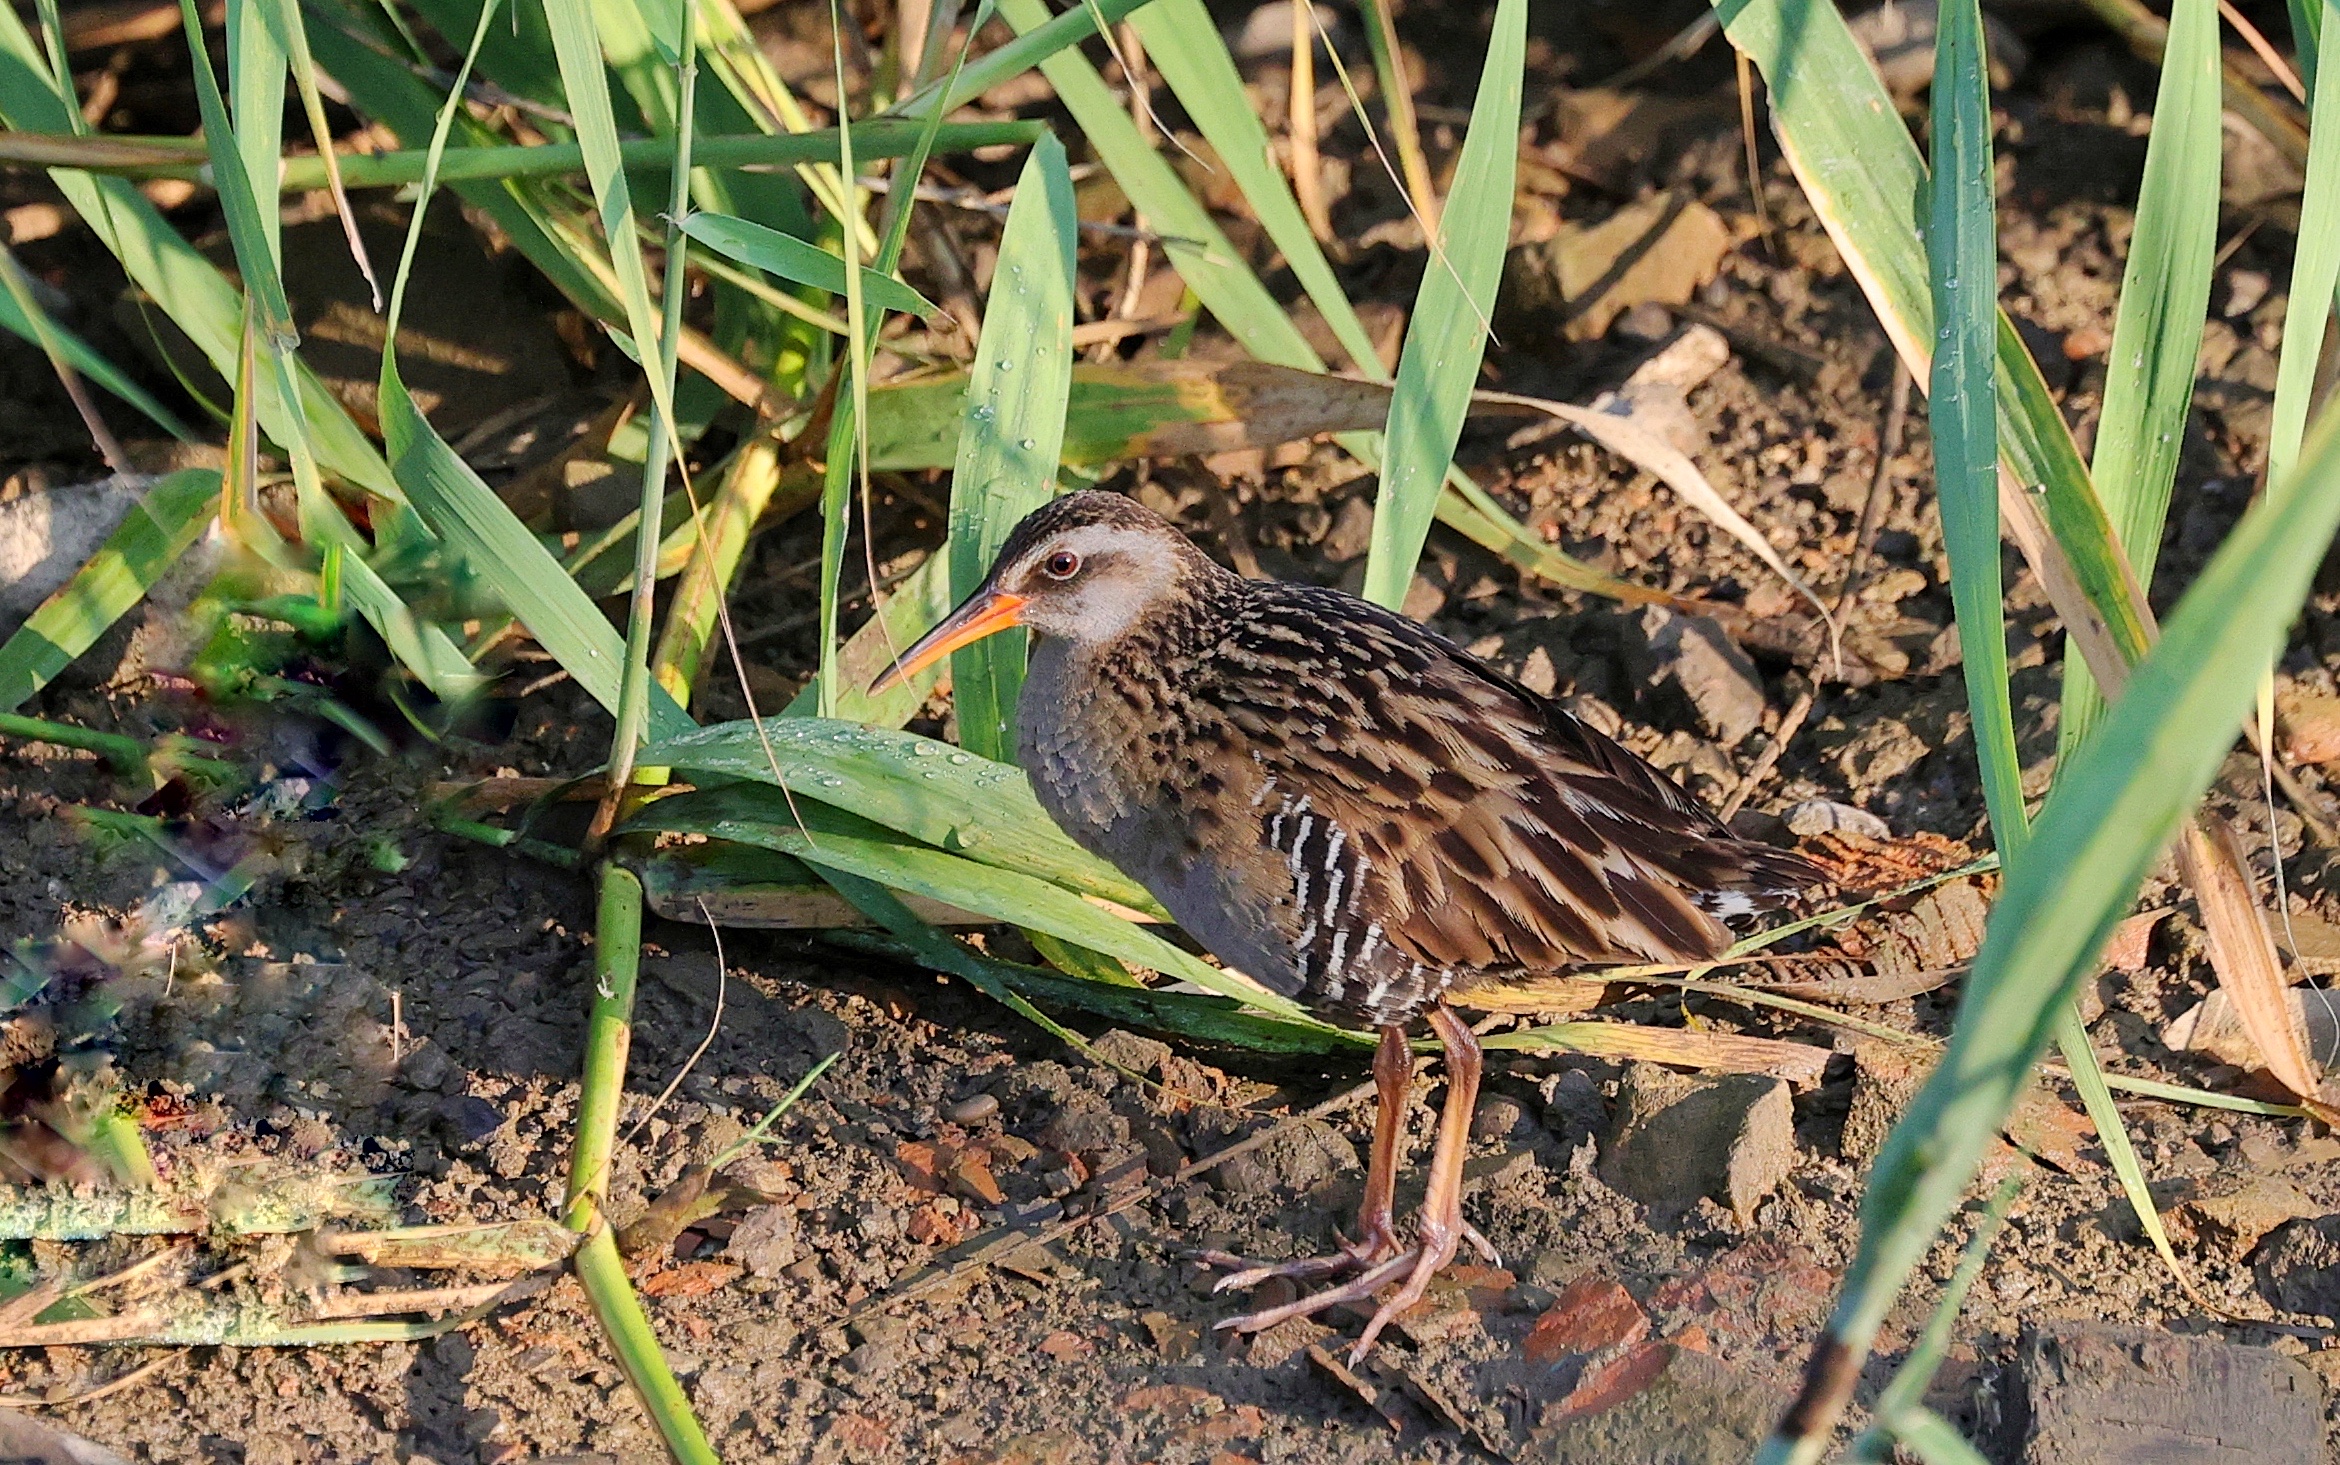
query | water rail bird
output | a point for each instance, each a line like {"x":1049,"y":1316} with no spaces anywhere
{"x":1348,"y":808}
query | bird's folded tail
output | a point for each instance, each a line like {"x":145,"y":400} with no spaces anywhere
{"x":1761,"y":877}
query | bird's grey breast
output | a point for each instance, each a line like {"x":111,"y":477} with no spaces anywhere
{"x":1074,"y":739}
{"x":1117,"y":780}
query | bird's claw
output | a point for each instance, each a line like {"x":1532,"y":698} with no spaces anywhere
{"x":1417,"y":1264}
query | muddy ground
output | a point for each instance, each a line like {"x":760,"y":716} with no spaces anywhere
{"x":865,"y":1305}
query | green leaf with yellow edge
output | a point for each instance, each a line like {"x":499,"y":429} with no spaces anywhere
{"x":1136,"y":409}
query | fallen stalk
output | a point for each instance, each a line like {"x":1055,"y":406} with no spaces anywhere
{"x":170,"y":157}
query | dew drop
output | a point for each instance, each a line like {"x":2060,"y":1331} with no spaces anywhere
{"x":962,"y":759}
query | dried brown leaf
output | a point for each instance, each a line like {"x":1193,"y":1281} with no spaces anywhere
{"x":1799,"y":1063}
{"x":2242,"y":950}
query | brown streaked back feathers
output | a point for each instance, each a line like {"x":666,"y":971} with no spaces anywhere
{"x":1340,"y":802}
{"x":1499,"y":831}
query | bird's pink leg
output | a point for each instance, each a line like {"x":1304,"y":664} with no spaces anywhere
{"x":1439,"y":1224}
{"x":1376,"y":1240}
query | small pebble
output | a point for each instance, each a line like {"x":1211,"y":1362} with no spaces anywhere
{"x":974,"y":1110}
{"x":1824,"y":816}
{"x":472,"y":1118}
{"x":1499,"y":1117}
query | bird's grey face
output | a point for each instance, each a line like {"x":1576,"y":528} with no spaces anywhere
{"x":1084,"y":578}
{"x":1090,"y":582}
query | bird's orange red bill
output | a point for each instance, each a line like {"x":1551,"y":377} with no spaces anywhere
{"x":984,"y":614}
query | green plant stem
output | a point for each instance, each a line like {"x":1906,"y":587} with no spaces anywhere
{"x":609,"y":1034}
{"x":127,"y":755}
{"x":634,"y":688}
{"x":718,"y":545}
{"x":603,"y":1273}
{"x":166,"y":157}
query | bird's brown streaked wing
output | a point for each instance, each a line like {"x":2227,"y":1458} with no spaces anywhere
{"x":1490,"y":830}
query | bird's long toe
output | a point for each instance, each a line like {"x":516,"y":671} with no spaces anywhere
{"x":1428,"y":1260}
{"x":1361,"y":1255}
{"x":1356,"y":1289}
{"x":1481,"y":1245}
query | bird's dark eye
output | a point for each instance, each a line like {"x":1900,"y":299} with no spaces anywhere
{"x":1062,"y":565}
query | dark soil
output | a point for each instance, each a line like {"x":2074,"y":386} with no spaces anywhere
{"x":856,"y":1314}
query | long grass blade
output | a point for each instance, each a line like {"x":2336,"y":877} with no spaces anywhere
{"x":848,"y":451}
{"x":577,"y":44}
{"x":1962,"y":265}
{"x":188,"y":287}
{"x":1447,"y":333}
{"x":1012,"y":431}
{"x":281,"y":391}
{"x":1211,"y":264}
{"x":1907,"y":1388}
{"x":1397,"y":95}
{"x":2088,"y":1080}
{"x":805,"y":264}
{"x":256,"y":69}
{"x":22,"y":315}
{"x":930,"y":791}
{"x":2307,"y":27}
{"x":829,"y":838}
{"x":477,"y":525}
{"x":902,"y":617}
{"x":2315,"y":268}
{"x":1183,"y":43}
{"x":1036,"y":42}
{"x":719,"y":545}
{"x":2157,"y":334}
{"x":635,"y":685}
{"x":1191,"y":1015}
{"x":1839,"y":131}
{"x":290,"y":37}
{"x":2105,"y":822}
{"x":166,"y":157}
